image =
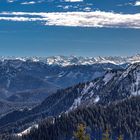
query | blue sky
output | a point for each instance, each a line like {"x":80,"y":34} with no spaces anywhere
{"x":86,"y":28}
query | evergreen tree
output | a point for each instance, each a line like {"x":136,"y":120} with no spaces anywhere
{"x":81,"y":134}
{"x":120,"y":137}
{"x":106,"y":135}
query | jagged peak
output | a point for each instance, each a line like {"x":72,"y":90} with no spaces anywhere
{"x":77,"y":60}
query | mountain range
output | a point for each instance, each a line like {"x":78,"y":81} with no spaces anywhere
{"x":29,"y":81}
{"x":35,"y":90}
{"x":74,"y":60}
{"x":114,"y":87}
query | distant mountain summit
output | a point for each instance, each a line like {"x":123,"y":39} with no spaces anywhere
{"x":75,"y":60}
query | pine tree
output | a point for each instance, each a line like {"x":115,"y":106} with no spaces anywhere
{"x":106,"y":135}
{"x":120,"y":137}
{"x":81,"y":134}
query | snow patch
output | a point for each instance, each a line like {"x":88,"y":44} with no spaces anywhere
{"x":96,"y":100}
{"x":136,"y":85}
{"x":87,"y":88}
{"x":108,"y":77}
{"x":8,"y":83}
{"x":27,"y":131}
{"x":53,"y":121}
{"x":78,"y":101}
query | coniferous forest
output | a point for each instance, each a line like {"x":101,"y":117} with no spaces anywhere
{"x":117,"y":121}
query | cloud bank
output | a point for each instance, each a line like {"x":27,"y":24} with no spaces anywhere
{"x":77,"y":19}
{"x":137,"y":3}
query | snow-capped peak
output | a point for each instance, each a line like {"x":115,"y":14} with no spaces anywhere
{"x":74,"y":60}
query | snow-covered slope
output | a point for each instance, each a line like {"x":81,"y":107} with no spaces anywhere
{"x":27,"y":131}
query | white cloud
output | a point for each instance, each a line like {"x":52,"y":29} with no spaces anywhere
{"x":28,"y":2}
{"x":137,"y":3}
{"x":20,"y":19}
{"x":81,"y":19}
{"x":32,"y":2}
{"x":87,"y":9}
{"x":73,"y":0}
{"x":10,"y":1}
{"x":126,"y":4}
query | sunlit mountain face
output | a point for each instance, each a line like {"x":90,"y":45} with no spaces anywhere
{"x":49,"y":27}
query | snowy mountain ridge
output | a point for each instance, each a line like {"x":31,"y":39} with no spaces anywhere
{"x":100,"y":90}
{"x":75,"y":60}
